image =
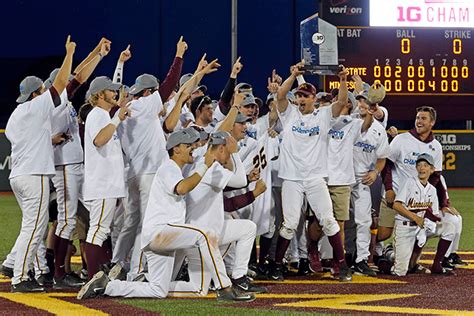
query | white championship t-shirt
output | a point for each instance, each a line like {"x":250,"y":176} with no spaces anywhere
{"x":342,"y":136}
{"x":142,"y":137}
{"x":404,"y":150}
{"x":303,"y":151}
{"x":103,"y":166}
{"x":416,"y":197}
{"x":29,"y":132}
{"x":64,"y":120}
{"x":164,"y":205}
{"x":370,"y":146}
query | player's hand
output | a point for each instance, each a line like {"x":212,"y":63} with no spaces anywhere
{"x":181,"y":47}
{"x":450,"y":210}
{"x":123,"y":97}
{"x":213,"y":66}
{"x":59,"y":138}
{"x":202,"y":63}
{"x":296,"y":70}
{"x":104,"y":49}
{"x":343,"y":73}
{"x":236,"y":68}
{"x":125,"y":112}
{"x":125,"y":55}
{"x":272,"y":87}
{"x":260,"y":187}
{"x":420,"y":221}
{"x":70,"y":46}
{"x":209,"y":158}
{"x":99,"y":45}
{"x":392,"y":131}
{"x":390,"y":197}
{"x":272,"y":133}
{"x":254,"y":175}
{"x":370,"y":178}
{"x":231,"y":144}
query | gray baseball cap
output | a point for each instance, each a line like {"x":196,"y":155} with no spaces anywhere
{"x":184,"y":136}
{"x":362,"y":95}
{"x":270,"y":97}
{"x":218,"y":138}
{"x":249,"y":99}
{"x":102,"y":83}
{"x":27,"y":86}
{"x":52,"y":76}
{"x":243,"y":87}
{"x":142,"y":82}
{"x":425,"y":157}
{"x":352,"y":99}
{"x":184,"y":78}
{"x":242,"y":118}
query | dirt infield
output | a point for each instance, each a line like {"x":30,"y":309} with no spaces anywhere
{"x":414,"y":294}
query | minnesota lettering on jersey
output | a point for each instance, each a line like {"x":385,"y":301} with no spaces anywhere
{"x":418,"y":206}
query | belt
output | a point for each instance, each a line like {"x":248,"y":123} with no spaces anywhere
{"x":409,"y":223}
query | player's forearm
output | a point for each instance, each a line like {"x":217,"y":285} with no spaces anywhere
{"x":104,"y":135}
{"x":387,"y":175}
{"x":172,"y":79}
{"x":188,"y":184}
{"x":226,"y":96}
{"x":342,"y":98}
{"x":62,"y":77}
{"x":435,"y":180}
{"x":380,"y":164}
{"x":400,"y":209}
{"x":118,"y":73}
{"x":228,"y":122}
{"x":88,"y":69}
{"x":236,"y":202}
{"x":173,"y":117}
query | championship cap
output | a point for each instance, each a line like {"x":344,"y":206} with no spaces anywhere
{"x":306,"y":89}
{"x":28,"y":85}
{"x":324,"y":96}
{"x":142,"y":82}
{"x":425,"y":157}
{"x":243,"y":87}
{"x":270,"y":97}
{"x":242,"y":118}
{"x":185,"y":78}
{"x":102,"y":83}
{"x":218,"y":138}
{"x":52,"y":76}
{"x":184,"y":136}
{"x":363,"y":95}
{"x":248,"y":99}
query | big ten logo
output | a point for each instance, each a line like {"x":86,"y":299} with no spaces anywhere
{"x":446,"y":139}
{"x":411,"y":14}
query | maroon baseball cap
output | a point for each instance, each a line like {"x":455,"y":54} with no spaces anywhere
{"x":306,"y":89}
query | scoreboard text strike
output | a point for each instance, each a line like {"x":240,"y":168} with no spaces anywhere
{"x":419,"y":61}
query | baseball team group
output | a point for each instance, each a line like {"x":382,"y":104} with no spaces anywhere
{"x":168,"y":192}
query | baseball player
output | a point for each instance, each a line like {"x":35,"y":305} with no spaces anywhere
{"x":164,"y":231}
{"x":303,"y":166}
{"x":104,"y":179}
{"x":68,"y":160}
{"x":29,"y":131}
{"x":415,"y":200}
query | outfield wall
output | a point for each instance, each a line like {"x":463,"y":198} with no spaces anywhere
{"x":458,"y":158}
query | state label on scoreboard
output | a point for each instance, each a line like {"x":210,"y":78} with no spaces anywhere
{"x":458,"y":157}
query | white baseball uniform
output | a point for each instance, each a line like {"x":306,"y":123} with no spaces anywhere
{"x":368,"y":148}
{"x":29,"y":132}
{"x":163,"y":233}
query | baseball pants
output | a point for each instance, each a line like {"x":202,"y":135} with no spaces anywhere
{"x":317,"y":194}
{"x":32,"y":194}
{"x":101,"y":217}
{"x":160,"y":255}
{"x":456,"y":220}
{"x":68,"y":184}
{"x":362,"y":207}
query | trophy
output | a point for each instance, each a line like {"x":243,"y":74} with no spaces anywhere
{"x":376,"y":93}
{"x":319,"y":46}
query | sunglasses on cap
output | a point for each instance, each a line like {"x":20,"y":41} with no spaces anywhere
{"x":204,"y":101}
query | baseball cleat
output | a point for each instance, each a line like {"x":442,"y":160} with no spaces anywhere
{"x":234,"y":294}
{"x":303,"y":267}
{"x":419,"y":269}
{"x":345,"y":274}
{"x":6,"y":271}
{"x":362,"y":268}
{"x":68,"y":281}
{"x":446,"y":263}
{"x":442,"y":271}
{"x":27,"y":287}
{"x":456,"y":260}
{"x":275,"y":273}
{"x":117,"y":273}
{"x":45,"y":279}
{"x":95,"y":287}
{"x":245,"y":285}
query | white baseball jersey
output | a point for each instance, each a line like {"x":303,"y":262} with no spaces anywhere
{"x":340,"y":153}
{"x":416,"y":197}
{"x":103,"y":166}
{"x":370,"y":146}
{"x":303,"y":151}
{"x":404,"y":150}
{"x":385,"y":116}
{"x":142,"y":137}
{"x":164,"y":205}
{"x":29,"y":132}
{"x":64,"y":120}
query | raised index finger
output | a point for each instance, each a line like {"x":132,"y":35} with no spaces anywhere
{"x":128,"y":47}
{"x":68,"y":39}
{"x":237,"y":60}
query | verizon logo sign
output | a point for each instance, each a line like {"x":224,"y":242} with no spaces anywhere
{"x":345,"y":10}
{"x":422,"y":13}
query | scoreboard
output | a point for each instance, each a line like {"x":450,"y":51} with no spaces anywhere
{"x":422,"y":51}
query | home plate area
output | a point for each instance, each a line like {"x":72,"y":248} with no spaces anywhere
{"x":320,"y":293}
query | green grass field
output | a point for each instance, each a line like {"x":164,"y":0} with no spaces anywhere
{"x":10,"y":220}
